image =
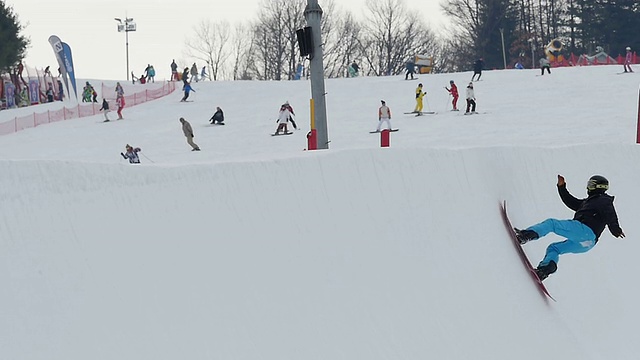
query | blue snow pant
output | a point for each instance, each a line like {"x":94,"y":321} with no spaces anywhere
{"x":580,"y":238}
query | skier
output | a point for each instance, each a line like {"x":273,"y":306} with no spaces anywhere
{"x":218,"y":117}
{"x":545,"y":64}
{"x":120,"y":102}
{"x":471,"y":100}
{"x":131,"y":154}
{"x":582,"y":232}
{"x":627,"y":60}
{"x":384,"y":115}
{"x":411,"y":69}
{"x":187,"y":89}
{"x":284,"y":116}
{"x":477,"y":68}
{"x":454,"y":92}
{"x":419,"y":95}
{"x":188,"y":133}
{"x":105,"y":107}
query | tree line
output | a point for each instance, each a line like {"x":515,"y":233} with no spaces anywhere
{"x":389,"y":33}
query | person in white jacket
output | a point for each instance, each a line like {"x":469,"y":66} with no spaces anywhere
{"x":384,"y":115}
{"x":471,"y":100}
{"x":283,"y":118}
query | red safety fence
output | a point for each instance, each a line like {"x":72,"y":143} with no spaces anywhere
{"x":83,"y":109}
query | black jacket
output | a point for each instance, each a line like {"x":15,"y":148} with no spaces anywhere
{"x":596,"y":211}
{"x":478,"y":65}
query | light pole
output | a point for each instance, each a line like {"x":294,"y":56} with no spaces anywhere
{"x":126,"y":26}
{"x":504,"y":56}
{"x":533,"y":48}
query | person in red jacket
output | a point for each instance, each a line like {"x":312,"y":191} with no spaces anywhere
{"x":454,"y":92}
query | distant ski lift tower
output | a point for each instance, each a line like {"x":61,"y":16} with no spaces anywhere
{"x":126,"y":26}
{"x":313,"y":15}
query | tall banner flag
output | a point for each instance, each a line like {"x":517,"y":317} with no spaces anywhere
{"x":10,"y":94}
{"x":65,"y":62}
{"x":34,"y":91}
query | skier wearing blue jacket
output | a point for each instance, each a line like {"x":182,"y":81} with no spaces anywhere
{"x":582,"y":232}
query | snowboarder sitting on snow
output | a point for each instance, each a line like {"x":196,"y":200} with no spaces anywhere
{"x":582,"y":233}
{"x":131,"y":154}
{"x":218,"y":117}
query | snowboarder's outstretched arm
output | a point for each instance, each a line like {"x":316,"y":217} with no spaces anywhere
{"x":571,"y":201}
{"x":612,"y":220}
{"x":124,"y":156}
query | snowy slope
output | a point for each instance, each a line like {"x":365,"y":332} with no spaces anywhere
{"x":254,"y":248}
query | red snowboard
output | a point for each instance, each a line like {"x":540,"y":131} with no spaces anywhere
{"x":523,"y":256}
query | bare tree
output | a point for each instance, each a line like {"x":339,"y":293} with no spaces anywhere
{"x":210,"y":45}
{"x":275,"y":38}
{"x":391,"y":35}
{"x":242,"y":52}
{"x":342,"y":45}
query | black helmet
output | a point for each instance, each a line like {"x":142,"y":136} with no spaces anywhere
{"x":597,"y":182}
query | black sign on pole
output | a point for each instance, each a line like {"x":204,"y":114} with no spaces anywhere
{"x":305,"y":41}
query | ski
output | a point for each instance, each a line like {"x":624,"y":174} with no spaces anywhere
{"x":376,"y":131}
{"x":525,"y":260}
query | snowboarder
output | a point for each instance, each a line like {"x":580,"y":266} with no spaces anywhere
{"x":188,"y":133}
{"x":194,"y":72}
{"x":471,"y":100}
{"x":411,"y":69}
{"x":354,"y":69}
{"x":477,"y":68}
{"x":131,"y":154}
{"x":384,"y":115}
{"x":174,"y":70}
{"x":454,"y":92}
{"x":582,"y":232}
{"x":50,"y":93}
{"x":119,"y":89}
{"x":187,"y":89}
{"x":150,"y":73}
{"x":284,"y":116}
{"x":291,"y":114}
{"x":218,"y":117}
{"x":203,"y":73}
{"x":419,"y":95}
{"x":627,"y":60}
{"x":105,"y":107}
{"x":120,"y":102}
{"x":545,"y":65}
{"x":185,"y":76}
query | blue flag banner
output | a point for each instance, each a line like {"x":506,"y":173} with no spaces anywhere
{"x":10,"y":94}
{"x":65,"y":62}
{"x":34,"y":91}
{"x":68,"y":63}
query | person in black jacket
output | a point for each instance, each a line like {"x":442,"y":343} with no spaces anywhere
{"x":477,"y":68}
{"x":582,"y":232}
{"x":218,"y":117}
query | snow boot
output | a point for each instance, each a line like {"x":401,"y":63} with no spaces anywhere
{"x":543,"y":271}
{"x":525,"y":236}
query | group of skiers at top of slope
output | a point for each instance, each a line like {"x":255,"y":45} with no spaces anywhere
{"x":186,"y":73}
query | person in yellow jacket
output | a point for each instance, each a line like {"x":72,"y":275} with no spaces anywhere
{"x":419,"y":95}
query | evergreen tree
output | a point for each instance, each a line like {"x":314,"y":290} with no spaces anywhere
{"x":13,"y":46}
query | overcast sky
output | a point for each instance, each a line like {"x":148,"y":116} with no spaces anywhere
{"x":99,"y":51}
